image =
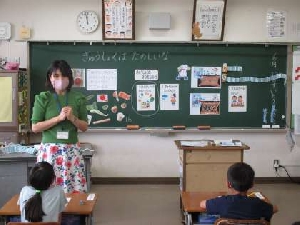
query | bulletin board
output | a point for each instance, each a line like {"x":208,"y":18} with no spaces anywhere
{"x":160,"y":85}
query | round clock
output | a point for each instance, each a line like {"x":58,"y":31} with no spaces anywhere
{"x":87,"y":21}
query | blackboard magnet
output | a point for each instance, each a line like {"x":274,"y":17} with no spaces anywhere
{"x":179,"y":127}
{"x":203,"y":127}
{"x":133,"y":127}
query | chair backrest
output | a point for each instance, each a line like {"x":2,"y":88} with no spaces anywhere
{"x":225,"y":221}
{"x":33,"y":223}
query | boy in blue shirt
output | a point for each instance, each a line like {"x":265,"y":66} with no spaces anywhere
{"x":237,"y":205}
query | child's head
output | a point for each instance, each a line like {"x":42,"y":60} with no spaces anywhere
{"x":240,"y":176}
{"x":240,"y":99}
{"x":41,"y":176}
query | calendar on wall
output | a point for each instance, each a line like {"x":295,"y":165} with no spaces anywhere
{"x":118,"y":19}
{"x":208,"y":20}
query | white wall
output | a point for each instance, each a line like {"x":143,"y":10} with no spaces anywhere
{"x":141,"y":154}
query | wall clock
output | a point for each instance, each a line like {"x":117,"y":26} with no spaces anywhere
{"x":87,"y":21}
{"x":5,"y":31}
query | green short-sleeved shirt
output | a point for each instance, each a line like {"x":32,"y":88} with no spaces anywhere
{"x":45,"y":107}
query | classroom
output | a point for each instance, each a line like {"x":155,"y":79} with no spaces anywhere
{"x":150,"y":156}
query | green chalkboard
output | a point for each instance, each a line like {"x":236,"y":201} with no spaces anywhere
{"x":260,"y":68}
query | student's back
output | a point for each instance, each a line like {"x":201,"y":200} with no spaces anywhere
{"x":240,"y":207}
{"x":53,"y":202}
{"x":40,"y":201}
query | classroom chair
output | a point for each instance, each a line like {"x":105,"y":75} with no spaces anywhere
{"x":225,"y":221}
{"x":33,"y":223}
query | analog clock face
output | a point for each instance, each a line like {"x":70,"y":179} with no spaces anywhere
{"x":87,"y":21}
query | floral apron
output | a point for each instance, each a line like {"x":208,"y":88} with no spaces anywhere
{"x":68,"y":165}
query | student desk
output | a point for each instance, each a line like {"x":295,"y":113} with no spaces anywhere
{"x":205,"y":168}
{"x":191,"y":203}
{"x":78,"y":205}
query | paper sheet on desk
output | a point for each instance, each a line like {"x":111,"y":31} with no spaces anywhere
{"x":194,"y":143}
{"x":228,"y":143}
{"x":68,"y":200}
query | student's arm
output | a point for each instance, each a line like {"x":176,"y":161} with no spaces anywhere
{"x":275,"y":209}
{"x":212,"y":206}
{"x":203,"y":204}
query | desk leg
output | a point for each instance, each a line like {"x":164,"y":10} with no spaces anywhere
{"x":87,"y":162}
{"x":90,"y":219}
{"x":188,"y":219}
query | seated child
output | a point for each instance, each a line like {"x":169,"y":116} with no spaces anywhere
{"x":237,"y":205}
{"x":41,"y":201}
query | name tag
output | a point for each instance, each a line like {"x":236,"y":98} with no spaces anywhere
{"x":62,"y":135}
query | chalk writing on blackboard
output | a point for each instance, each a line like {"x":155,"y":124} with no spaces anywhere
{"x":124,"y":56}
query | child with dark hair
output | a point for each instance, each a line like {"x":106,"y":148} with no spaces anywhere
{"x":237,"y":205}
{"x":41,"y":201}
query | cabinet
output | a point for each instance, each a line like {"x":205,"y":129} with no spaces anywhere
{"x":14,"y":101}
{"x":205,"y":168}
{"x":14,"y":170}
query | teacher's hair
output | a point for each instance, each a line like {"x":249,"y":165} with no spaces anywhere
{"x":41,"y":177}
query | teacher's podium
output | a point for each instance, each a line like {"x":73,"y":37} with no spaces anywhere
{"x":204,"y":163}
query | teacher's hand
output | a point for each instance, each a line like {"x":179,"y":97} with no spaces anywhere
{"x":68,"y":112}
{"x":61,"y":116}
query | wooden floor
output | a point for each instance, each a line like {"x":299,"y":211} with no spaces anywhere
{"x":159,"y":204}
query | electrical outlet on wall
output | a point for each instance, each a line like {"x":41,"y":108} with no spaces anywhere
{"x":276,"y":163}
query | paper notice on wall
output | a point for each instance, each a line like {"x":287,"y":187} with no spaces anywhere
{"x":296,"y":66}
{"x":101,"y":79}
{"x":145,"y":97}
{"x":297,"y":123}
{"x":237,"y":98}
{"x":208,"y":16}
{"x":276,"y":24}
{"x":296,"y":98}
{"x":169,"y":96}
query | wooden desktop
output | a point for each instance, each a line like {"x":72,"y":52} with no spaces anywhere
{"x":78,"y":205}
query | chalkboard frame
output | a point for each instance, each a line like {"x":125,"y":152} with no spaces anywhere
{"x":149,"y":44}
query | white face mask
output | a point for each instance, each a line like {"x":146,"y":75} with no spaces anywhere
{"x":60,"y":84}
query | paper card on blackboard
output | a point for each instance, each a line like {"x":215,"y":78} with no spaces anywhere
{"x":204,"y":103}
{"x":146,"y":74}
{"x":101,"y":79}
{"x":79,"y":77}
{"x":206,"y":77}
{"x":237,"y":98}
{"x":169,"y":96}
{"x":145,"y":97}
